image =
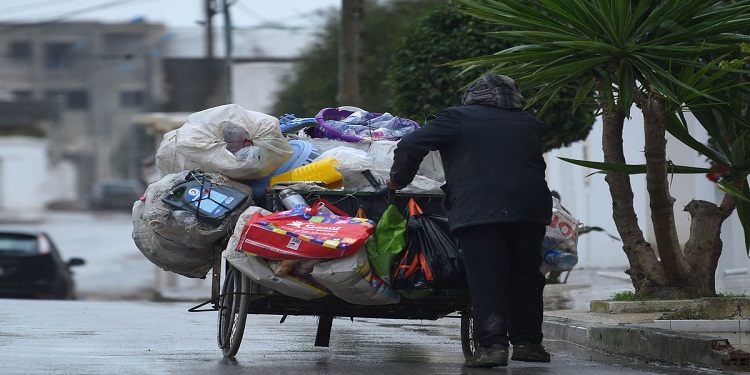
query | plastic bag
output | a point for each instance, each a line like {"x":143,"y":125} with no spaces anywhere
{"x":432,"y":259}
{"x":560,"y":244}
{"x":261,"y":270}
{"x":209,"y":137}
{"x":388,"y":241}
{"x":300,"y":234}
{"x":175,"y":240}
{"x":352,"y":279}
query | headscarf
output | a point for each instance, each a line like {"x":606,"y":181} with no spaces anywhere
{"x":494,"y":90}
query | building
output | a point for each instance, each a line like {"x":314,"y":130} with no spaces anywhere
{"x":98,"y":75}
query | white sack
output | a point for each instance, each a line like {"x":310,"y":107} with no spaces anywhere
{"x":180,"y":243}
{"x":188,"y":261}
{"x":352,"y":279}
{"x":200,"y":143}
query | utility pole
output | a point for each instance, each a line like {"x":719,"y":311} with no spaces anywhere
{"x":351,"y":64}
{"x":228,"y":48}
{"x":210,"y":9}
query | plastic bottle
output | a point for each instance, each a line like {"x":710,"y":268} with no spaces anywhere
{"x":292,"y":200}
{"x":323,"y":210}
{"x":561,"y":259}
{"x":249,"y":153}
{"x":235,"y":136}
{"x":185,"y":218}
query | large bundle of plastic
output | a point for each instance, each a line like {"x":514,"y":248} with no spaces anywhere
{"x":291,"y":282}
{"x":377,"y":157}
{"x":174,"y":239}
{"x":227,"y":139}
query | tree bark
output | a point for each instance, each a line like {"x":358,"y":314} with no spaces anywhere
{"x":661,"y":202}
{"x":645,"y":270}
{"x":703,"y":248}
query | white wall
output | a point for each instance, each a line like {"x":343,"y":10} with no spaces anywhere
{"x":23,"y":166}
{"x":29,"y":181}
{"x":254,"y":85}
{"x":587,"y":196}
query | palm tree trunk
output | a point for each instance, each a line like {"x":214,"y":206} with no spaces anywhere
{"x":675,"y":267}
{"x":645,"y":270}
{"x":703,"y":248}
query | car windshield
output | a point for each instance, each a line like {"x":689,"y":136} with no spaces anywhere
{"x":11,"y":243}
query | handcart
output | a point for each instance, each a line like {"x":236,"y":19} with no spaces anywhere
{"x":239,"y":296}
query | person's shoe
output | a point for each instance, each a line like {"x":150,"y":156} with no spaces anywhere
{"x":494,"y":356}
{"x":528,"y":352}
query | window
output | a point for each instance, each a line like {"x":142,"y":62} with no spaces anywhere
{"x":132,"y":99}
{"x":78,"y":99}
{"x":55,"y":96}
{"x":74,"y":99}
{"x":19,"y":50}
{"x":58,"y":56}
{"x":22,"y":95}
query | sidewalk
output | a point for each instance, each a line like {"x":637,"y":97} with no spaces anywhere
{"x":723,"y":344}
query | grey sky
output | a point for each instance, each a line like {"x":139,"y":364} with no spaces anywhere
{"x":244,"y":13}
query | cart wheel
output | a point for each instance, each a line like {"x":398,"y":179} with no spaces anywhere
{"x":468,"y":345}
{"x":233,"y":303}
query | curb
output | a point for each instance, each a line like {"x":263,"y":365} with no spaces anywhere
{"x":649,"y":343}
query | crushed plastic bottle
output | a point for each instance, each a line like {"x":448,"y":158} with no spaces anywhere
{"x":236,"y":137}
{"x":249,"y":153}
{"x":561,"y":259}
{"x":185,"y":218}
{"x":323,"y":210}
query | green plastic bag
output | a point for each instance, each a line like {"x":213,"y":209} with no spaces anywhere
{"x":388,"y":241}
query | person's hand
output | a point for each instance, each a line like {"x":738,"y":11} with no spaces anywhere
{"x":394,"y":186}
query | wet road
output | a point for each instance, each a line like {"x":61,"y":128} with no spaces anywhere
{"x":95,"y":337}
{"x":103,"y":334}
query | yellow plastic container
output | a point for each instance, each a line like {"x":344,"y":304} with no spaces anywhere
{"x":318,"y":171}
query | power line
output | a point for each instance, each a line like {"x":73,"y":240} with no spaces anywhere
{"x":278,"y":23}
{"x":34,"y":6}
{"x":68,"y":15}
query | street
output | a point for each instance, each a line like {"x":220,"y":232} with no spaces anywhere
{"x":138,"y":337}
{"x":113,"y":329}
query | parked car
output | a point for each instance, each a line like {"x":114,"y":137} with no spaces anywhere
{"x":116,"y":194}
{"x":31,"y":267}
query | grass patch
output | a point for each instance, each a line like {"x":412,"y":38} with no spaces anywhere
{"x":731,"y":294}
{"x":628,"y":295}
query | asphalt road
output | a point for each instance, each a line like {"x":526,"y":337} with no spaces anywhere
{"x":113,"y":330}
{"x":132,"y":337}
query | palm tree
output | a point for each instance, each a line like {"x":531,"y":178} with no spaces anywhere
{"x":663,"y":57}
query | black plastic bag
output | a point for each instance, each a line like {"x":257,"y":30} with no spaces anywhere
{"x":441,"y":251}
{"x":432,"y":259}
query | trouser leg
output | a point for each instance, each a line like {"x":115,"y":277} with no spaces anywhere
{"x":502,"y":265}
{"x":486,"y":262}
{"x":526,"y":285}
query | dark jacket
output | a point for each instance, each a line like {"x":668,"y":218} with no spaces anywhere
{"x":493,"y":162}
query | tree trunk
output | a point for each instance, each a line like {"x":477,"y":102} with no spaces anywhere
{"x":688,"y":272}
{"x":645,"y":270}
{"x":660,"y":201}
{"x":703,"y":248}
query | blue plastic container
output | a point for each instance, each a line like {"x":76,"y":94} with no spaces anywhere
{"x":304,"y":153}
